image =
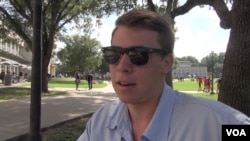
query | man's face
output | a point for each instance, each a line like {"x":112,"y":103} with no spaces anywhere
{"x":135,"y":84}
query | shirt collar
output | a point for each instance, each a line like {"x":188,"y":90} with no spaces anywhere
{"x":119,"y":117}
{"x":158,"y":128}
{"x":119,"y":120}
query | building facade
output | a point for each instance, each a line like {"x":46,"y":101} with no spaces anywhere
{"x":14,"y":59}
{"x":186,"y":70}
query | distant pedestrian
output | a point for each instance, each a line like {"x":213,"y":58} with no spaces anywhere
{"x":199,"y":80}
{"x":20,"y":76}
{"x":89,"y":79}
{"x":209,"y":84}
{"x":2,"y":76}
{"x":77,"y":79}
{"x":205,"y":83}
{"x":218,"y":81}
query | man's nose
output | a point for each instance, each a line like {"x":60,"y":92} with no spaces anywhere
{"x":125,"y":64}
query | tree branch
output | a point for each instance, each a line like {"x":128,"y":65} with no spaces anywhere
{"x":28,"y":3}
{"x":65,"y":11}
{"x":169,"y":5}
{"x":16,"y":27}
{"x":18,"y":7}
{"x":66,"y":21}
{"x":218,"y":5}
{"x":151,"y":5}
{"x":223,"y":13}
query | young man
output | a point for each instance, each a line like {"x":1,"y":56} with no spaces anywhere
{"x":140,"y":56}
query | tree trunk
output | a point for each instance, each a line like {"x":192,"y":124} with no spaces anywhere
{"x":44,"y":77}
{"x":48,"y":45}
{"x":235,"y":84}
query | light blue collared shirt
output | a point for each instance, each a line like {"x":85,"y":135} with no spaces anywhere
{"x":178,"y":117}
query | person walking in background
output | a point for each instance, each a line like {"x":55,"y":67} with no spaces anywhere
{"x":2,"y":76}
{"x":218,"y":81}
{"x":209,"y":84}
{"x":20,"y":77}
{"x":139,"y":58}
{"x":205,"y":83}
{"x":199,"y":80}
{"x":89,"y":79}
{"x":77,"y":79}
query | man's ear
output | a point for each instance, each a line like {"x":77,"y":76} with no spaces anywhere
{"x":167,"y":61}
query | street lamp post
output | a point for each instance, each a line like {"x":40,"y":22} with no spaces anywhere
{"x":36,"y":78}
{"x":212,"y":90}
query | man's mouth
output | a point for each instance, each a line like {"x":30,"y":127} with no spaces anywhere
{"x":125,"y":84}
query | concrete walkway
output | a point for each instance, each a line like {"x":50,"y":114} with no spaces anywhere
{"x":14,"y":114}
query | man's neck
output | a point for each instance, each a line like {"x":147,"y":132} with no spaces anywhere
{"x":141,"y":115}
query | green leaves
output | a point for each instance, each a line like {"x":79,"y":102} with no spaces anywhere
{"x":81,"y":52}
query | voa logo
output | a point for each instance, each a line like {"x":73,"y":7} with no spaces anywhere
{"x":236,"y":132}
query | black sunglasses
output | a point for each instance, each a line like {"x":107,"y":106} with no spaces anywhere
{"x":138,"y":55}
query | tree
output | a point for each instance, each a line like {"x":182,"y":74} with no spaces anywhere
{"x":16,"y":16}
{"x":80,"y":53}
{"x":192,"y":59}
{"x":235,"y":80}
{"x":218,"y":66}
{"x":103,"y":68}
{"x":214,"y":60}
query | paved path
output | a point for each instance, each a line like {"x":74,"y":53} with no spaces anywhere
{"x":14,"y":114}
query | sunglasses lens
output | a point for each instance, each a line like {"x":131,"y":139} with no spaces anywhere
{"x":111,"y":56}
{"x":138,"y":56}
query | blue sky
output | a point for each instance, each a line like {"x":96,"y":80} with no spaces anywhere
{"x":199,"y":33}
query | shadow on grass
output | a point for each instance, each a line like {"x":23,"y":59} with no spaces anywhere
{"x":9,"y":93}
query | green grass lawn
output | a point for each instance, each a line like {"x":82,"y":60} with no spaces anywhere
{"x":191,"y":87}
{"x":69,"y":83}
{"x":207,"y":96}
{"x":188,"y":86}
{"x":8,"y":93}
{"x":23,"y":92}
{"x":67,"y":132}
